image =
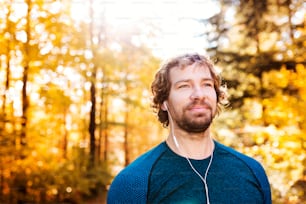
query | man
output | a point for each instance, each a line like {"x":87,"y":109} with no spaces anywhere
{"x":190,"y":167}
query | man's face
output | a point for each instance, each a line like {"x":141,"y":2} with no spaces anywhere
{"x":192,"y":98}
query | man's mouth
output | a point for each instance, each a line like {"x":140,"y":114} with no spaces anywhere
{"x":201,"y":106}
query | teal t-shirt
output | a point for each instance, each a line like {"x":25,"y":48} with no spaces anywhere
{"x":230,"y":180}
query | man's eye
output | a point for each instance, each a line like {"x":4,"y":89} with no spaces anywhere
{"x":208,"y":84}
{"x":183,"y":86}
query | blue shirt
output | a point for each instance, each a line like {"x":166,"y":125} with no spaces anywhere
{"x":131,"y":185}
{"x":229,"y":180}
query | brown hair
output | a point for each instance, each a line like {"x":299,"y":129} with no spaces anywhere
{"x":161,"y":85}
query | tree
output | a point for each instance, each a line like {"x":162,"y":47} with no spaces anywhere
{"x":92,"y":120}
{"x":262,"y":43}
{"x":26,"y":62}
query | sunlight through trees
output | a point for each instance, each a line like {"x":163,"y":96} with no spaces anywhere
{"x":75,"y":89}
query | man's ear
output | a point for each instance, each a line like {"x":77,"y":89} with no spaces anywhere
{"x":164,"y":106}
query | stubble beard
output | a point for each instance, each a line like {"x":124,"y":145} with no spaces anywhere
{"x":195,"y":123}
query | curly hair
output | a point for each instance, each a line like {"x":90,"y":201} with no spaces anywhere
{"x":161,"y":85}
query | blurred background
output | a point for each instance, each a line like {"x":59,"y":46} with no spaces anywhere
{"x":75,"y":93}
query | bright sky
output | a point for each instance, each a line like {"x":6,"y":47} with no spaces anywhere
{"x":175,"y":18}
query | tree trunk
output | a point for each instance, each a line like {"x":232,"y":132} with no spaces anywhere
{"x":92,"y":121}
{"x":103,"y":126}
{"x":7,"y":77}
{"x":126,"y":126}
{"x":105,"y":148}
{"x":126,"y":138}
{"x":24,"y":97}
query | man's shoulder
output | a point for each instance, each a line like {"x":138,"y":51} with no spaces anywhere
{"x":132,"y":181}
{"x":146,"y":160}
{"x":251,"y":162}
{"x":143,"y":163}
{"x":254,"y":165}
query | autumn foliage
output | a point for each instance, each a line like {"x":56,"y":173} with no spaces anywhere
{"x":75,"y":96}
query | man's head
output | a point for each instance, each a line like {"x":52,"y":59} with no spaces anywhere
{"x":191,"y":87}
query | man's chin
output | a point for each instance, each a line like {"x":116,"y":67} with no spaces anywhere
{"x":198,"y":129}
{"x":201,"y":120}
{"x":196,"y":126}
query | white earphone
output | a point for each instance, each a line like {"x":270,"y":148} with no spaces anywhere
{"x":165,"y":104}
{"x":190,"y":164}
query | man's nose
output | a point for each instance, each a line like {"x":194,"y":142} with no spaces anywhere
{"x":198,"y":93}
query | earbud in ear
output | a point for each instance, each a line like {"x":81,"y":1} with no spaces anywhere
{"x":165,"y":107}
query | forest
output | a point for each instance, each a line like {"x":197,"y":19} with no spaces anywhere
{"x":75,"y":98}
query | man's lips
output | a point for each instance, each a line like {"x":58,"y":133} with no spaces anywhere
{"x":199,"y":108}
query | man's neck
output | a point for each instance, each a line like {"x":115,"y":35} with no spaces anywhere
{"x":191,"y":145}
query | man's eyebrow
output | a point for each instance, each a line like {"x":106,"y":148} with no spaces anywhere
{"x":189,"y":80}
{"x":208,"y":79}
{"x":182,"y":81}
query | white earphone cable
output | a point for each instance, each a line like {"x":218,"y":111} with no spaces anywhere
{"x":189,"y":162}
{"x":194,"y":169}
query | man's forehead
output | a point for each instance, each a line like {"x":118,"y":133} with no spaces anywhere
{"x":193,"y":66}
{"x":184,"y":72}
